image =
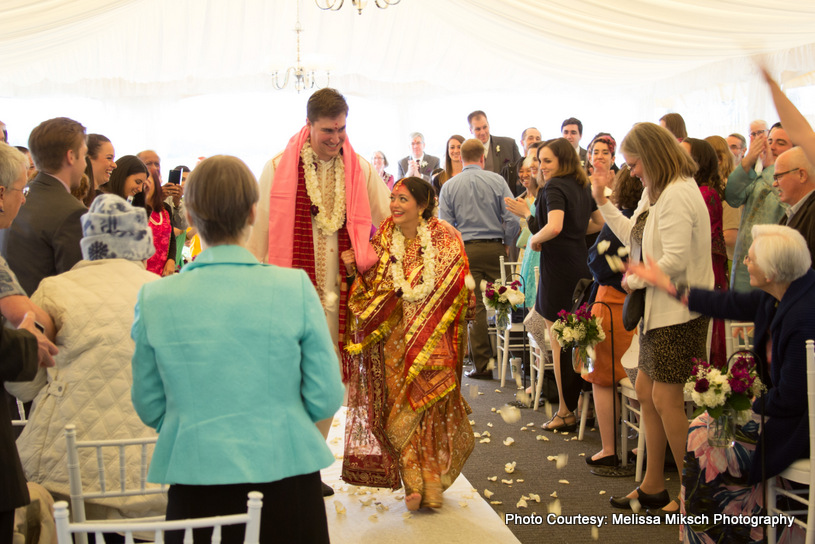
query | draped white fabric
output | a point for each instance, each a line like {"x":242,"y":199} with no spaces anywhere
{"x":420,"y":65}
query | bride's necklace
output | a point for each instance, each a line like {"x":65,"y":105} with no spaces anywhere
{"x":397,"y":251}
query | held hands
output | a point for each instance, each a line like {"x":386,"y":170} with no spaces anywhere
{"x":45,"y":348}
{"x":413,"y":168}
{"x":349,"y":261}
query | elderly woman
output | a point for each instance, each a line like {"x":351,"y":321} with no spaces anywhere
{"x":671,"y":226}
{"x":404,"y":393}
{"x":234,"y":381}
{"x":18,"y":349}
{"x":782,"y":306}
{"x":91,"y":306}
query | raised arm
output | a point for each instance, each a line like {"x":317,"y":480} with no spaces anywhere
{"x":796,"y":125}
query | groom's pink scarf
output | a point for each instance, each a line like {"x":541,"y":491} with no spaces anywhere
{"x":282,"y":200}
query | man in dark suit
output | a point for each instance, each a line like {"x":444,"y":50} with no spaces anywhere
{"x":44,"y":238}
{"x":417,"y":163}
{"x":572,"y":130}
{"x":794,"y":179}
{"x":499,"y":151}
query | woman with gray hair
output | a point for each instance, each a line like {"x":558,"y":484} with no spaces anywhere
{"x":782,"y":306}
{"x":92,"y":309}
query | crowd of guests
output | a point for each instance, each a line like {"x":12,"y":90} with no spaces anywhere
{"x":105,"y":333}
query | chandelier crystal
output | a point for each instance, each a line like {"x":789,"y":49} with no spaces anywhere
{"x":334,"y":5}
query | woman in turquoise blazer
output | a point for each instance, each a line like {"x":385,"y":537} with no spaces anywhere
{"x":233,"y":366}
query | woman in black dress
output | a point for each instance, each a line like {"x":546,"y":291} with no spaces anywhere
{"x":564,"y":212}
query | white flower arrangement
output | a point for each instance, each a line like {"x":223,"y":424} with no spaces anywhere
{"x":327,"y":225}
{"x":397,"y":251}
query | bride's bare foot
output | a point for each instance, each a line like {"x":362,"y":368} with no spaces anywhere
{"x":413,"y":501}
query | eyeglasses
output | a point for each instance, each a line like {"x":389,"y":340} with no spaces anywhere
{"x":24,"y":190}
{"x":757,"y":133}
{"x":779,"y":175}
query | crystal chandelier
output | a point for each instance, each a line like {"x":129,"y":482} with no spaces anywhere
{"x":303,"y":78}
{"x":334,"y":5}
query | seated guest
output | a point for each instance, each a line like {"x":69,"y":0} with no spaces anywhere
{"x":263,"y":361}
{"x":782,"y":306}
{"x":92,"y":309}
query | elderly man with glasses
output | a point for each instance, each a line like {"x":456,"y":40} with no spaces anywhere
{"x":755,"y":191}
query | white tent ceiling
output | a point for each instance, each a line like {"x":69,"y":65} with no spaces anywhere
{"x":641,"y":55}
{"x":114,"y":48}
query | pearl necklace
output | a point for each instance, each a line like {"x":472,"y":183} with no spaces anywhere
{"x":160,"y":218}
{"x":397,"y":251}
{"x":327,"y":225}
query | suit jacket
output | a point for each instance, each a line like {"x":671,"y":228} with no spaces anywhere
{"x":804,"y":222}
{"x":510,"y":173}
{"x":789,"y":322}
{"x":431,"y":164}
{"x":504,"y":151}
{"x":44,"y":238}
{"x":18,"y":362}
{"x":233,"y":379}
{"x":583,"y":153}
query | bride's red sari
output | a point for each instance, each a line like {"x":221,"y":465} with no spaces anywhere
{"x":406,"y":417}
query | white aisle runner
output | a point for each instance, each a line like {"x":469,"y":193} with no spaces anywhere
{"x":373,"y":515}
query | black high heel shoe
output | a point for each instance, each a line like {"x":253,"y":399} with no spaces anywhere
{"x":650,"y":501}
{"x":661,"y":512}
{"x":607,"y":461}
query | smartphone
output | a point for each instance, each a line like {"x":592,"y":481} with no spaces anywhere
{"x":174,"y":177}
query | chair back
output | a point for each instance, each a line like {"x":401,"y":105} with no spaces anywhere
{"x":738,"y":336}
{"x":22,"y":417}
{"x":122,"y":450}
{"x":509,"y":274}
{"x":251,"y":519}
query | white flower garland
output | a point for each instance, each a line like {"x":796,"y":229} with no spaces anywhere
{"x":328,"y":225}
{"x":397,"y":251}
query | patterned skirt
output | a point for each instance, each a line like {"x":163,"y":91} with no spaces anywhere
{"x":666,"y":352}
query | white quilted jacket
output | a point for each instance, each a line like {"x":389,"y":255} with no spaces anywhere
{"x":92,"y":307}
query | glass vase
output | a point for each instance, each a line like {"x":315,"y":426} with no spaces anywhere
{"x":582,"y":363}
{"x":721,"y":431}
{"x":502,"y":319}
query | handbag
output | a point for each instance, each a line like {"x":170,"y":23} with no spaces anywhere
{"x":633,"y":309}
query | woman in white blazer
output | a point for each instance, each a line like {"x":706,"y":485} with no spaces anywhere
{"x":670,"y":226}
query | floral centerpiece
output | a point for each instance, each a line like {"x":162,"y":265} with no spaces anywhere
{"x":726,"y":396}
{"x":580,"y":331}
{"x":502,"y":298}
